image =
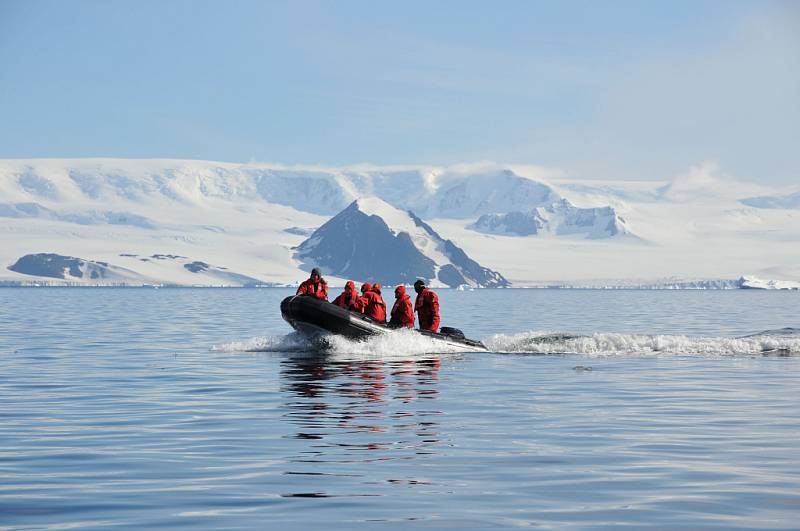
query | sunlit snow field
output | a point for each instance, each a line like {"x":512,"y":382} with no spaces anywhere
{"x":197,"y":408}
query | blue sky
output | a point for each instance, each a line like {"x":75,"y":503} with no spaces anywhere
{"x":629,"y":90}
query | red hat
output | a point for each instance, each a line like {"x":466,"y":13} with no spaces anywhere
{"x":366,"y":286}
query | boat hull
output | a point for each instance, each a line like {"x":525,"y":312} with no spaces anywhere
{"x":312,"y":317}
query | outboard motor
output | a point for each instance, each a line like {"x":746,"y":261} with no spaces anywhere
{"x":452,"y":332}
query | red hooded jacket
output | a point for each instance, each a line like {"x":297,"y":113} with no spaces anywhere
{"x":347,"y":297}
{"x":355,"y":306}
{"x":427,"y":306}
{"x":371,"y":304}
{"x":318,"y":289}
{"x":402,"y":311}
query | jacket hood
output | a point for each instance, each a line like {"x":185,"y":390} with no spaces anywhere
{"x":350,"y":284}
{"x":365,"y":287}
{"x":399,"y":291}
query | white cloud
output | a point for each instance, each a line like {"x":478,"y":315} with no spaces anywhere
{"x":706,"y":181}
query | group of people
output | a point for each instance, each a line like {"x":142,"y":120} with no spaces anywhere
{"x":370,"y":302}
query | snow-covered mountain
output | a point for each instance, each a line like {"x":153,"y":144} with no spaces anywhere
{"x":469,"y":196}
{"x":246,"y":221}
{"x":429,"y":192}
{"x":56,"y":266}
{"x":559,"y":218}
{"x":74,"y":270}
{"x":372,"y":240}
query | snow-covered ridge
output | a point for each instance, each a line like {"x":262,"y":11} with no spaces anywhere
{"x":51,"y":265}
{"x":429,"y":193}
{"x":79,"y":271}
{"x":185,"y":182}
{"x":559,"y":218}
{"x":251,"y":217}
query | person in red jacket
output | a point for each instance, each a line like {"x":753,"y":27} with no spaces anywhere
{"x":402,"y":311}
{"x":365,"y":287}
{"x":347,"y":297}
{"x":315,"y":286}
{"x":380,"y":309}
{"x":356,"y":306}
{"x":370,"y":303}
{"x":427,"y":307}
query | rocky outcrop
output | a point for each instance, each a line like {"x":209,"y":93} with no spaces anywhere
{"x":372,"y":241}
{"x":51,"y":265}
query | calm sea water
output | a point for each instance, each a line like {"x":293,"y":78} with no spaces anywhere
{"x":195,"y":408}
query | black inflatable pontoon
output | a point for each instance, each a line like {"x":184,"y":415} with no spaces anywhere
{"x":313,"y":317}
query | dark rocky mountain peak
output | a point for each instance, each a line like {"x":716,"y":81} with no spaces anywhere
{"x":372,"y":241}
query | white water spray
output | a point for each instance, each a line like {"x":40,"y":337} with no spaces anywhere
{"x":404,"y":343}
{"x":611,"y":344}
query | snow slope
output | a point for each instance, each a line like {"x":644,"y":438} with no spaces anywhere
{"x":248,"y":219}
{"x":789,"y":201}
{"x":558,"y":218}
{"x":710,"y":235}
{"x":208,"y":212}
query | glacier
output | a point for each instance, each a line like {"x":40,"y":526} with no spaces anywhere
{"x":246,"y":221}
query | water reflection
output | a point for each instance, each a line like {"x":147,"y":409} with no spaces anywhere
{"x":361,"y":396}
{"x":355,"y":415}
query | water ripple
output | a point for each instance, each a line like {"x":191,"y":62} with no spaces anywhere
{"x":134,"y":420}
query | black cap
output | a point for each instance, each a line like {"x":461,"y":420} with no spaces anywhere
{"x":315,"y":271}
{"x":419,"y":282}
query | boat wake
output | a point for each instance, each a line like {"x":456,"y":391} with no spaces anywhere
{"x":293,"y":342}
{"x":404,"y":343}
{"x":784,"y":342}
{"x":397,"y":343}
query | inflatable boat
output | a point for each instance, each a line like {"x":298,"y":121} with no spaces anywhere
{"x":314,"y":317}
